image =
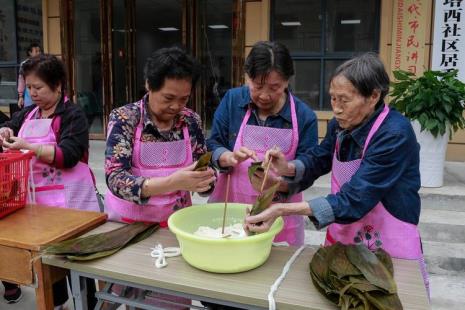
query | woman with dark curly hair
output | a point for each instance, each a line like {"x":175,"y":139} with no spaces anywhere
{"x":151,"y":150}
{"x":152,"y":144}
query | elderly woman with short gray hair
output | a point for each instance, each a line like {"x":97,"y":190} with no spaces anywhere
{"x":373,"y":156}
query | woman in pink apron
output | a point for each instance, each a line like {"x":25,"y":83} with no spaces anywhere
{"x":373,"y":155}
{"x":56,"y":131}
{"x":152,"y":147}
{"x":255,"y":118}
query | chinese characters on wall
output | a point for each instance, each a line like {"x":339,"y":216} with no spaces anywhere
{"x":409,"y":35}
{"x":449,"y":32}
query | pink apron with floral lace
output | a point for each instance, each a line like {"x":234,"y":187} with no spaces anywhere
{"x":260,"y":139}
{"x":153,"y":159}
{"x":67,"y":188}
{"x":378,"y":228}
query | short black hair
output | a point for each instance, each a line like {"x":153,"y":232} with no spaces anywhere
{"x":171,"y":63}
{"x":266,"y":56}
{"x":366,"y":73}
{"x":31,"y":46}
{"x":48,"y":68}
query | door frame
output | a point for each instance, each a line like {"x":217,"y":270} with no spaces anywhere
{"x":189,"y":41}
{"x":68,"y":57}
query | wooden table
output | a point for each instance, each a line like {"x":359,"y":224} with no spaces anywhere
{"x":25,"y":232}
{"x":134,"y":266}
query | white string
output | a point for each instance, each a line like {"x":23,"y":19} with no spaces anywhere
{"x":161,"y":253}
{"x":279,"y":280}
{"x":280,"y":244}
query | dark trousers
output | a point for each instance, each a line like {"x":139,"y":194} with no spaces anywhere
{"x":60,"y":292}
{"x":9,"y":286}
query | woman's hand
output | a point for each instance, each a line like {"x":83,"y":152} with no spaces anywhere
{"x":279,"y":164}
{"x":6,"y":133}
{"x":187,"y":179}
{"x":230,"y":159}
{"x":262,"y":222}
{"x":16,"y":144}
{"x":257,"y":180}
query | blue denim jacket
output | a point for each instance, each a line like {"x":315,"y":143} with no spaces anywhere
{"x":228,"y":119}
{"x":389,"y":171}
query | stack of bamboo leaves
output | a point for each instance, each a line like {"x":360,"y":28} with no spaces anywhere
{"x":353,"y":277}
{"x":102,"y":244}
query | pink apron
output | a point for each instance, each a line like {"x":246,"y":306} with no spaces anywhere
{"x":153,"y":159}
{"x":67,"y":188}
{"x":260,"y":139}
{"x":378,"y":228}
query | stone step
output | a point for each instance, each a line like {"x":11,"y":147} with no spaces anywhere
{"x":447,"y":292}
{"x":442,"y":232}
{"x":451,"y":266}
{"x":454,"y":251}
{"x":442,"y":219}
{"x":430,"y":248}
{"x":443,"y":202}
{"x":451,"y":194}
{"x":441,"y":257}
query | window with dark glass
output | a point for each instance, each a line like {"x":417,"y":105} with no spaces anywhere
{"x":215,"y":42}
{"x":20,"y":25}
{"x":320,"y":36}
{"x":87,"y":62}
{"x":158,"y":25}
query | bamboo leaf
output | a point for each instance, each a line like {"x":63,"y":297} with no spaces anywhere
{"x":384,"y":301}
{"x":254,"y":167}
{"x":353,"y":291}
{"x":371,"y":267}
{"x":264,"y":200}
{"x":203,"y":162}
{"x":98,"y":242}
{"x":92,"y":256}
{"x":340,"y":264}
{"x":141,"y":236}
{"x":385,"y":259}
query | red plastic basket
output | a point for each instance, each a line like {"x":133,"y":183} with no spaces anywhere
{"x":14,"y":176}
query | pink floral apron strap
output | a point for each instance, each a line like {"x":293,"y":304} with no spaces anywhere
{"x":240,"y":135}
{"x":375,"y":127}
{"x":31,"y":114}
{"x":295,"y":125}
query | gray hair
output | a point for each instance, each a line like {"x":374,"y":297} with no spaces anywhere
{"x":366,"y":73}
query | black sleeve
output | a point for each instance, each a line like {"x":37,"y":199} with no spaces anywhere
{"x":74,"y":137}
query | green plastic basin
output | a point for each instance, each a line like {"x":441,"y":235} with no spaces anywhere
{"x":220,"y":255}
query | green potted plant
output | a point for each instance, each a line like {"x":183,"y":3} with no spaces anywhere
{"x":434,"y":102}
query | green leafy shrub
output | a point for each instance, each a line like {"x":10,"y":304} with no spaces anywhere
{"x":435,"y":99}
